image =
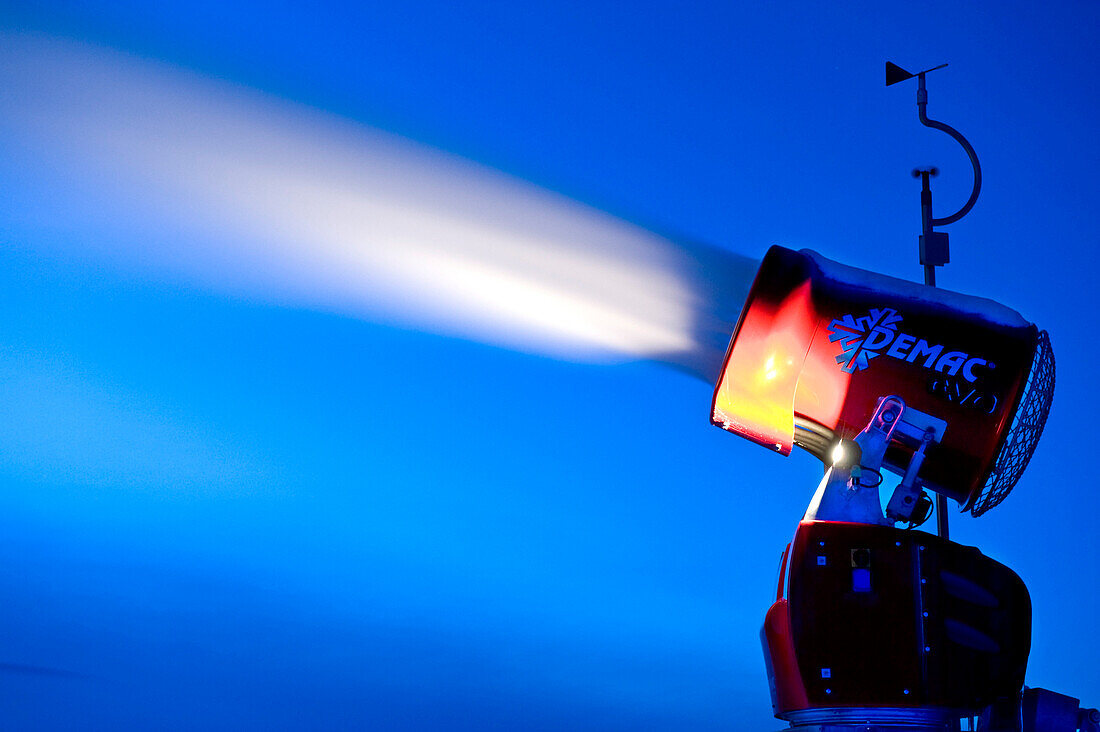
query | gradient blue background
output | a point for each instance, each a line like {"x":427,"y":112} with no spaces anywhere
{"x":220,"y":514}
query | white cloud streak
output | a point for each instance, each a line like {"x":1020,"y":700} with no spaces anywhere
{"x":259,"y":197}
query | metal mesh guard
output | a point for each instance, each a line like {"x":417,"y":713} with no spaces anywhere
{"x":1027,"y":427}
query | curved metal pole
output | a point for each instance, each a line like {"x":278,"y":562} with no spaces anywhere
{"x":922,"y":103}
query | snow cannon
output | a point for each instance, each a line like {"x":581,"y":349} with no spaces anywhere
{"x":877,"y":626}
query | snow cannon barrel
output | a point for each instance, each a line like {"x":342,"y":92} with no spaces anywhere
{"x":819,"y":343}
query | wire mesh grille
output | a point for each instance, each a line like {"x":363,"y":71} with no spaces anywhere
{"x":1027,"y":427}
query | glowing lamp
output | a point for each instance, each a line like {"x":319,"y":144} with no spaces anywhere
{"x":819,"y":345}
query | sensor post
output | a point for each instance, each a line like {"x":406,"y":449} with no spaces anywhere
{"x":933,"y":245}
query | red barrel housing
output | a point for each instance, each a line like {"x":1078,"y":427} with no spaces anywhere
{"x":821,"y":342}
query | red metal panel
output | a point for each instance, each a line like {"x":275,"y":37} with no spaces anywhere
{"x":885,"y":617}
{"x":784,"y":680}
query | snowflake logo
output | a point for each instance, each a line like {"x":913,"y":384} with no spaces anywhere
{"x":860,"y":338}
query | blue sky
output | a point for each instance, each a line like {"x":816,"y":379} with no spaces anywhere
{"x":224,"y":509}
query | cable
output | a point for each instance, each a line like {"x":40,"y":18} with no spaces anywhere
{"x":869,"y":470}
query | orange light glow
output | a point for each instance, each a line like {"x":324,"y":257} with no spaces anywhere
{"x":822,"y":388}
{"x":756,"y":394}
